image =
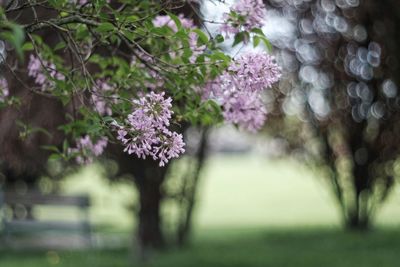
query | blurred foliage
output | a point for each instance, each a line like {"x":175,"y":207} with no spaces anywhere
{"x":337,"y":107}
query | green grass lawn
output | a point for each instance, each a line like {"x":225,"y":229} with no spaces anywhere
{"x":241,"y":248}
{"x":251,"y":212}
{"x":294,"y":247}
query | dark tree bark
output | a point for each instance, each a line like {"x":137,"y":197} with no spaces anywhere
{"x":148,"y":178}
{"x":149,"y":227}
{"x":189,"y":190}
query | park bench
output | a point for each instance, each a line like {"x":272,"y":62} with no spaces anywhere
{"x":13,"y":226}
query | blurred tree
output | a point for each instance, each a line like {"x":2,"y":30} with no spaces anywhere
{"x":338,"y":103}
{"x":133,"y":74}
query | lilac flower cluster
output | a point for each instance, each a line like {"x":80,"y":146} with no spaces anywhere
{"x":246,"y":110}
{"x":4,"y":91}
{"x":41,"y":70}
{"x":239,"y":90}
{"x":255,"y":71}
{"x":244,"y":15}
{"x":162,"y":20}
{"x":145,"y":132}
{"x":101,"y":93}
{"x":86,"y":150}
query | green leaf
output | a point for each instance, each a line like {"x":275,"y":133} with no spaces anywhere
{"x":258,"y":31}
{"x":256,"y":41}
{"x":240,"y":37}
{"x":219,"y":38}
{"x":59,"y":46}
{"x":105,"y":27}
{"x":65,"y":145}
{"x":218,"y":55}
{"x":55,"y":157}
{"x":164,"y":30}
{"x":267,"y":43}
{"x":187,"y":53}
{"x":176,"y":20}
{"x":182,"y":34}
{"x":15,"y":36}
{"x":131,"y":18}
{"x":202,"y":36}
{"x":81,"y":32}
{"x":27,"y":47}
{"x":51,"y":148}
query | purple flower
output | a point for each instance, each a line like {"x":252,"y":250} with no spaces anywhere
{"x":239,"y":89}
{"x":244,"y":15}
{"x":98,"y":148}
{"x":144,"y":132}
{"x":103,"y":96}
{"x":155,"y":107}
{"x":4,"y":91}
{"x":245,"y":110}
{"x":163,"y":20}
{"x":141,"y":134}
{"x":256,"y":71}
{"x":41,"y":71}
{"x":86,"y":150}
{"x":171,"y":147}
{"x":34,"y":66}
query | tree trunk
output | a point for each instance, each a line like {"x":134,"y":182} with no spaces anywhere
{"x":149,"y":226}
{"x":358,"y":215}
{"x":189,"y":190}
{"x":357,"y":219}
{"x":149,"y":178}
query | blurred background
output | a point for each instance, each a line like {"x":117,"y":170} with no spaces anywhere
{"x":318,"y":186}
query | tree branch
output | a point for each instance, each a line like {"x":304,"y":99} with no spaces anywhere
{"x":58,"y":22}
